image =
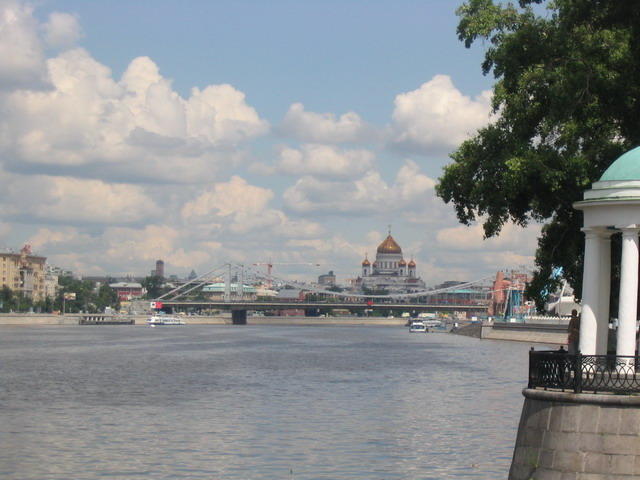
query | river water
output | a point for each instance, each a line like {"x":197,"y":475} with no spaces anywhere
{"x":256,"y":402}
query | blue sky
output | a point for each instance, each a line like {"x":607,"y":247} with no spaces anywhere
{"x":202,"y":132}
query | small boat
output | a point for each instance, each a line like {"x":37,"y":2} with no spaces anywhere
{"x":154,"y":320}
{"x":418,"y":327}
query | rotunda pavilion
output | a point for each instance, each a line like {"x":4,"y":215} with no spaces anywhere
{"x":612,"y":205}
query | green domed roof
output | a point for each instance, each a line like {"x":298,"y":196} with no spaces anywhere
{"x":627,"y":167}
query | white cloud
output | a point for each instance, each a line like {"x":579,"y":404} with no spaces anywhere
{"x":463,"y":252}
{"x":123,"y":250}
{"x":325,"y":161}
{"x":47,"y":238}
{"x":149,"y":101}
{"x":411,"y":185}
{"x":233,"y":197}
{"x":62,"y":30}
{"x":438,"y":116}
{"x":323,"y":127}
{"x":88,"y":120}
{"x":21,"y":55}
{"x":89,"y":201}
{"x":368,"y":194}
{"x":238,"y":208}
{"x":310,"y":195}
{"x":220,"y":114}
{"x":334,"y":246}
{"x":471,"y":238}
{"x":149,"y":244}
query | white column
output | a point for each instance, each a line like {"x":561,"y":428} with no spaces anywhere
{"x":605,"y":294}
{"x":590,"y":292}
{"x":628,"y":301}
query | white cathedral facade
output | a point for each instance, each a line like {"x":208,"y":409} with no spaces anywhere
{"x":390,"y":271}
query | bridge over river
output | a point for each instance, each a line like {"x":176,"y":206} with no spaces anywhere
{"x":240,"y":308}
{"x":189,"y":297}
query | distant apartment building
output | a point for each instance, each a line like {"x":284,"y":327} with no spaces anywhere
{"x":216,"y":291}
{"x":327,"y":279}
{"x":127,"y":290}
{"x":50,"y":283}
{"x":159,"y":271}
{"x":24,"y":272}
{"x":58,"y":272}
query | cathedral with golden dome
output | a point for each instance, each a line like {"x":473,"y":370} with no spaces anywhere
{"x":389,"y":271}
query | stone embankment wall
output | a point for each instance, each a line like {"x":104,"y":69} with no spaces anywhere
{"x":471,"y":330}
{"x":222,"y":319}
{"x":318,"y":321}
{"x":550,"y":334}
{"x":38,"y":319}
{"x":578,"y":436}
{"x":555,"y":334}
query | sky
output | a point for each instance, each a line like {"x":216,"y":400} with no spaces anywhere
{"x":202,"y":132}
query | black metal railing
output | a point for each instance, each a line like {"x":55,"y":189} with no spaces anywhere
{"x":557,"y":369}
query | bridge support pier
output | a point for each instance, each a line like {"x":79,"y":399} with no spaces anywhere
{"x":239,"y":317}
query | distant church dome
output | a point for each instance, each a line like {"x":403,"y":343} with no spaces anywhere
{"x":389,"y":271}
{"x":389,"y":246}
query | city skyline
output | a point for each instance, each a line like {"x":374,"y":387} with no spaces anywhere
{"x":245,"y":132}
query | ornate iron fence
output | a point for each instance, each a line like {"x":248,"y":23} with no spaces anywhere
{"x":591,"y":373}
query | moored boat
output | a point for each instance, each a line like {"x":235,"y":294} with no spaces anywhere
{"x":418,"y":327}
{"x":154,"y":320}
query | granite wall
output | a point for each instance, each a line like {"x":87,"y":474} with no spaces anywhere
{"x":567,"y":436}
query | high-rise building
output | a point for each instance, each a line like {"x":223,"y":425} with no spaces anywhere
{"x":24,"y":272}
{"x":327,"y":279}
{"x":160,"y":268}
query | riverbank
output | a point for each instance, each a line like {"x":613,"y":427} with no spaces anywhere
{"x":546,"y":333}
{"x":222,"y":319}
{"x":550,"y":334}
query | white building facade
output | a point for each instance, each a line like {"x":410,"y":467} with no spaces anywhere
{"x":390,"y":271}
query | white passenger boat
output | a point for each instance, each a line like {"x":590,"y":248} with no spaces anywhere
{"x":418,"y":327}
{"x":154,"y":320}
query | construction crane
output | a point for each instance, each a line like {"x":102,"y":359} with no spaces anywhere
{"x":270,"y":265}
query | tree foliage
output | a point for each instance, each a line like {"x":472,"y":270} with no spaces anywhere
{"x":88,"y":298}
{"x":566,"y":104}
{"x":153,"y":285}
{"x":14,"y":301}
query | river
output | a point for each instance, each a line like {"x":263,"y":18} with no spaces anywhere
{"x":256,"y":402}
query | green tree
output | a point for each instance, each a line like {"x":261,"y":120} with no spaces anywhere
{"x":23,"y":302}
{"x":153,"y":285}
{"x":566,"y":104}
{"x":107,"y":297}
{"x":8,"y":299}
{"x":85,"y":295}
{"x":45,"y":305}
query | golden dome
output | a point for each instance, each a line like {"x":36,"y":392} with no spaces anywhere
{"x":412,"y":263}
{"x":403,"y":263}
{"x":365,"y":262}
{"x":389,"y":246}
